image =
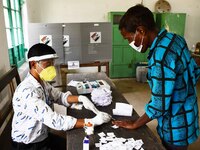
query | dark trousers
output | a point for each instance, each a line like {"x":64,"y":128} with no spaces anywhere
{"x":173,"y":147}
{"x":53,"y":142}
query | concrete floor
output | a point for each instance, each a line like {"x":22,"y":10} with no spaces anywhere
{"x":138,"y":95}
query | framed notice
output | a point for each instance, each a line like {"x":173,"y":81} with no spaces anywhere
{"x":95,"y":37}
{"x":73,"y":64}
{"x":46,"y":39}
{"x":66,"y":40}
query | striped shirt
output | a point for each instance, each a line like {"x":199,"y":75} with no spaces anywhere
{"x":172,"y":77}
{"x":33,"y":114}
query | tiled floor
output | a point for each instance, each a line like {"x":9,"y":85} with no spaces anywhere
{"x":138,"y":95}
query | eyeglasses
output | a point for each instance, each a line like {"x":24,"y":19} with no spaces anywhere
{"x":47,"y":62}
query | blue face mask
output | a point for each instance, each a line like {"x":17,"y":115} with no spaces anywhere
{"x":137,"y":48}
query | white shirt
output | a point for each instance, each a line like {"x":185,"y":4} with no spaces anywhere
{"x":33,"y":114}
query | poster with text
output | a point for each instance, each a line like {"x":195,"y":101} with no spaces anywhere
{"x":95,"y":37}
{"x":73,"y":65}
{"x":46,"y":39}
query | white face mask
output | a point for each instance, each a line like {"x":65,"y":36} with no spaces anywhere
{"x":137,"y":48}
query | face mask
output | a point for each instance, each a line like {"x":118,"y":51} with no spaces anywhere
{"x":48,"y":74}
{"x":137,"y":48}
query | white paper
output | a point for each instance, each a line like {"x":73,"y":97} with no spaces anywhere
{"x":95,"y":37}
{"x":115,"y":126}
{"x":97,"y":144}
{"x":73,"y":65}
{"x":123,"y":109}
{"x":73,"y":83}
{"x":66,"y":40}
{"x":101,"y":96}
{"x":77,"y":106}
{"x":111,"y":142}
{"x":46,"y":39}
{"x":102,"y":134}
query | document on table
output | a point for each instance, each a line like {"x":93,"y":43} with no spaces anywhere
{"x":73,"y":83}
{"x":123,"y":109}
{"x":111,"y":142}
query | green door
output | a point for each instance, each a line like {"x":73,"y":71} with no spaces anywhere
{"x":122,"y":64}
{"x":124,"y":58}
{"x":173,"y":22}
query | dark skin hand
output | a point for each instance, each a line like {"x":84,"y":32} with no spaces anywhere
{"x":128,"y":124}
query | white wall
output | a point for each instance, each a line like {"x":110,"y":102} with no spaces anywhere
{"x":4,"y":59}
{"x":59,"y":11}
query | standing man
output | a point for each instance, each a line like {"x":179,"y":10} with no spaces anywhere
{"x":172,"y":76}
{"x":33,"y":100}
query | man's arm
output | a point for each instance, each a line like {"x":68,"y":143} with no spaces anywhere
{"x":79,"y":123}
{"x":72,"y":99}
{"x":133,"y":124}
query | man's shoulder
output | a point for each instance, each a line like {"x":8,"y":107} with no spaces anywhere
{"x":25,"y":85}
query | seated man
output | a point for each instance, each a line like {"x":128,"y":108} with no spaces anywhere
{"x":33,"y":100}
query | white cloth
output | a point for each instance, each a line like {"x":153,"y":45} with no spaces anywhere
{"x":101,"y":97}
{"x":33,"y":114}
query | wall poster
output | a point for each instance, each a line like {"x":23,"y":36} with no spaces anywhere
{"x":66,"y":40}
{"x":95,"y":37}
{"x":46,"y":39}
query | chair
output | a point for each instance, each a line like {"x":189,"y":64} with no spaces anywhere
{"x":7,"y":88}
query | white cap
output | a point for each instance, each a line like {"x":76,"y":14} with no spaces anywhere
{"x":43,"y":57}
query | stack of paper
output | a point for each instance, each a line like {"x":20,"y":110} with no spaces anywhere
{"x":123,"y":109}
{"x":110,"y":142}
{"x":101,"y":96}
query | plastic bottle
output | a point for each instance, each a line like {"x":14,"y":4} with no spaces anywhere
{"x":86,"y":143}
{"x":89,"y":128}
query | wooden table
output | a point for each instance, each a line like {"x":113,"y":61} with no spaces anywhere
{"x":75,"y":137}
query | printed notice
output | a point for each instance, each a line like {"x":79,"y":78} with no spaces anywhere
{"x":95,"y":37}
{"x":73,"y":64}
{"x":46,"y":39}
{"x":66,"y":40}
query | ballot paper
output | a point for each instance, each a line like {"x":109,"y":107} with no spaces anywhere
{"x":110,"y":142}
{"x":123,"y":109}
{"x":77,"y":106}
{"x":101,"y":96}
{"x":115,"y":127}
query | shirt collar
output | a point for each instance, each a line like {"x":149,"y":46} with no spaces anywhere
{"x":160,"y":35}
{"x":33,"y":80}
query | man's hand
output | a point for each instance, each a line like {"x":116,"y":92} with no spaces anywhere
{"x":99,"y":119}
{"x":124,"y":124}
{"x":133,"y":124}
{"x":88,"y":104}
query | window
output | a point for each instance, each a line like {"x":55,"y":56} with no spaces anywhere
{"x":14,"y":31}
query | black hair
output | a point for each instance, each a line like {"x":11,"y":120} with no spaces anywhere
{"x":135,"y":16}
{"x":40,"y":50}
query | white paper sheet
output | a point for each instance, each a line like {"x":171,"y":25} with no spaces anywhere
{"x":73,"y":83}
{"x":111,"y":142}
{"x":123,"y":109}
